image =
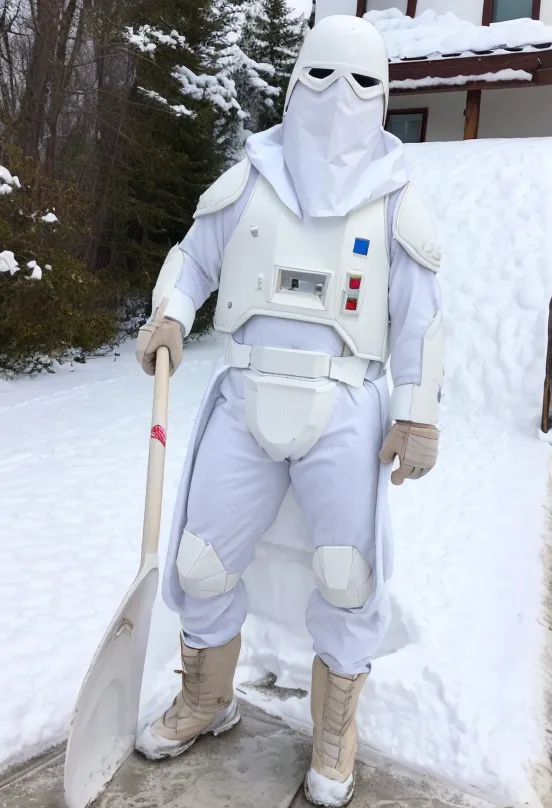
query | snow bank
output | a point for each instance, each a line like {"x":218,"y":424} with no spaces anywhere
{"x":434,"y":35}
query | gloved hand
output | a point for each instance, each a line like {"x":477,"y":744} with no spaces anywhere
{"x":416,"y":446}
{"x":160,"y":333}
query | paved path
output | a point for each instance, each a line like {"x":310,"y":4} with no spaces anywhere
{"x":260,"y":764}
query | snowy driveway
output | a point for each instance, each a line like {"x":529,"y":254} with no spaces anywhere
{"x":73,"y":452}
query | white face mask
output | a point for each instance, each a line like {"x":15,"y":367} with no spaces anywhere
{"x":330,"y":140}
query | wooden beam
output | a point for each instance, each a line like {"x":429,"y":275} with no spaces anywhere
{"x":473,"y":111}
{"x":361,"y":8}
{"x":543,"y":76}
{"x":411,"y":8}
{"x":462,"y":88}
{"x":451,"y":66}
{"x":545,"y":425}
{"x":536,"y":9}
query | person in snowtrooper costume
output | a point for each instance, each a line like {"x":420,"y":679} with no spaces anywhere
{"x":325,"y":261}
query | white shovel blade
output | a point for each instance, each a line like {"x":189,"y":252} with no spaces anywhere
{"x":103,"y":730}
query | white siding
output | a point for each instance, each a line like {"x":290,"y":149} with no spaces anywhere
{"x":382,"y":5}
{"x":325,"y":8}
{"x":470,"y":10}
{"x":546,"y":11}
{"x":524,"y":112}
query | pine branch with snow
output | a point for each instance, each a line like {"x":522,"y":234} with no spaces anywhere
{"x":7,"y":182}
{"x":273,"y":35}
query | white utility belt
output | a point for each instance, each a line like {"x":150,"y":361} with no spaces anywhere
{"x":350,"y":370}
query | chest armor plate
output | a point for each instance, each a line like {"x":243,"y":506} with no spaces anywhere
{"x":333,"y":271}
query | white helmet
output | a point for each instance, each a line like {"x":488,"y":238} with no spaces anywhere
{"x":343,"y":46}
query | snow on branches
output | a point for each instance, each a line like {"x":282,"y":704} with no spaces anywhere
{"x":220,"y":89}
{"x":146,"y":38}
{"x":7,"y":182}
{"x":220,"y":63}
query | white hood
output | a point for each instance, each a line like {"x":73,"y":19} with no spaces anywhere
{"x":331,"y":155}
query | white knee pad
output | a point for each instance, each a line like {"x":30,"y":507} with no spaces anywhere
{"x":200,"y":570}
{"x":343,"y":576}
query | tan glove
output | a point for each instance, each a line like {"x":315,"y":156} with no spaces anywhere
{"x":416,"y":446}
{"x":160,"y":333}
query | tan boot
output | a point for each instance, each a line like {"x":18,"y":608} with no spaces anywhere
{"x":206,"y":703}
{"x":330,"y":781}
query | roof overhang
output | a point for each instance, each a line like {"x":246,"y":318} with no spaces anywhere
{"x":537,"y":61}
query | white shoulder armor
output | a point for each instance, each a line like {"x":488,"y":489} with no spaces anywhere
{"x":226,"y":190}
{"x":415,"y":231}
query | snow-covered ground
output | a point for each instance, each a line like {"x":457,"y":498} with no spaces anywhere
{"x":459,"y":689}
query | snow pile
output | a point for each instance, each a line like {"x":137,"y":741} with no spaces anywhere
{"x":49,"y":218}
{"x":36,"y":274}
{"x":434,"y":35}
{"x":8,"y":262}
{"x":458,"y":689}
{"x":7,"y":181}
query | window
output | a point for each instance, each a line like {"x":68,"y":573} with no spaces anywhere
{"x":511,"y":9}
{"x":502,"y":10}
{"x":409,"y":125}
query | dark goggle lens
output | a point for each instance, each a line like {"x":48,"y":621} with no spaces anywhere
{"x":365,"y":81}
{"x":320,"y":73}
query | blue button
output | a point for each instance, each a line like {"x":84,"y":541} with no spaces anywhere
{"x":362,"y":245}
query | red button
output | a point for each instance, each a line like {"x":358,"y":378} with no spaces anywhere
{"x":351,"y":304}
{"x":354,"y":283}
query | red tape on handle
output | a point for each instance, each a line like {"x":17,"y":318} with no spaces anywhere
{"x":158,"y":433}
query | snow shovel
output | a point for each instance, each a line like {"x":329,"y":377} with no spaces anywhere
{"x":103,"y":730}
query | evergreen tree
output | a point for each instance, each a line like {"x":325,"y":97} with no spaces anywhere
{"x":275,"y":36}
{"x":183,"y":126}
{"x":169,"y":153}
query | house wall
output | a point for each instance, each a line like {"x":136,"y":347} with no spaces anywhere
{"x":517,"y":113}
{"x":546,"y":11}
{"x":381,"y":5}
{"x":325,"y":8}
{"x":524,"y":112}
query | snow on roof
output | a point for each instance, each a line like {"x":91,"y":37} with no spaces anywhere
{"x":440,"y":81}
{"x":433,"y":35}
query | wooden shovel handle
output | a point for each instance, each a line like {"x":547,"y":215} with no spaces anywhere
{"x":156,"y":461}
